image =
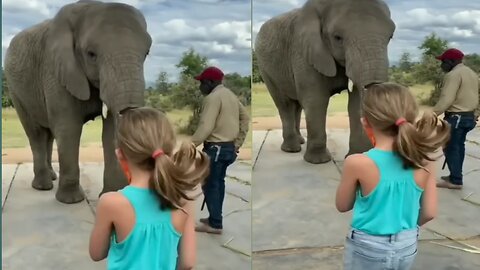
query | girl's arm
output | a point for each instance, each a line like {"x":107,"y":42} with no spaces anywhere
{"x":348,"y":184}
{"x":100,"y":237}
{"x":428,"y":209}
{"x":187,"y":248}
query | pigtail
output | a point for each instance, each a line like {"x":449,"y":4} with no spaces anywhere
{"x":175,"y":176}
{"x":416,"y":142}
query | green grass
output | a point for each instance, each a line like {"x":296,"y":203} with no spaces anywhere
{"x":263,"y":105}
{"x":13,"y":135}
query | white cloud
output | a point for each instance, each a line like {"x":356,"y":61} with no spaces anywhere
{"x":219,"y":31}
{"x":19,"y":6}
{"x":292,"y":3}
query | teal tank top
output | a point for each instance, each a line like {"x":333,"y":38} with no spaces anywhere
{"x":394,"y":204}
{"x":153,"y":241}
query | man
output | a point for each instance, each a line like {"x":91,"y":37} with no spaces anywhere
{"x":222,"y":129}
{"x":459,"y":100}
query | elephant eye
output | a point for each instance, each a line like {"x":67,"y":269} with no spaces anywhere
{"x":92,"y":55}
{"x":338,"y":38}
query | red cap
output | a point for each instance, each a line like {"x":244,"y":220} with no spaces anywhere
{"x":452,"y":54}
{"x":210,"y":73}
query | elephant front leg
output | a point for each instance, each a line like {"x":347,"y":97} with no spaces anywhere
{"x":113,"y":177}
{"x":358,"y":142}
{"x":68,"y":142}
{"x":316,"y":105}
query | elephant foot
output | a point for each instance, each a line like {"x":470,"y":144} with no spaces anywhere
{"x":42,"y":183}
{"x":70,"y":194}
{"x":317,"y":157}
{"x":291,"y":147}
{"x":53,"y":174}
{"x":301,"y":140}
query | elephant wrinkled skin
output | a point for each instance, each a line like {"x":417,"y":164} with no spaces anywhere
{"x":310,"y":53}
{"x":60,"y":73}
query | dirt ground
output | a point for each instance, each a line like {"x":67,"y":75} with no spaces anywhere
{"x":94,"y":153}
{"x":87,"y":154}
{"x":339,"y":121}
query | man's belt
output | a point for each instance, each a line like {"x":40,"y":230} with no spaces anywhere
{"x":219,"y":143}
{"x":460,"y":113}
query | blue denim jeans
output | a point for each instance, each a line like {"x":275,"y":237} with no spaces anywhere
{"x":221,"y":156}
{"x":373,"y":252}
{"x":454,"y":151}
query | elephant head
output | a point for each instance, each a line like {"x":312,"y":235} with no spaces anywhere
{"x":350,"y":33}
{"x":100,"y":45}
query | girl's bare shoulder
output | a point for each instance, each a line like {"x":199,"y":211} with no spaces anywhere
{"x":113,"y":200}
{"x":358,"y":161}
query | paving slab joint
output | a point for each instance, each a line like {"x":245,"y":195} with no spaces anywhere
{"x":239,"y":180}
{"x":236,"y":211}
{"x":451,"y":238}
{"x":472,"y":156}
{"x":237,"y":196}
{"x":295,"y":250}
{"x":11,"y":184}
{"x":473,"y":142}
{"x":260,"y":149}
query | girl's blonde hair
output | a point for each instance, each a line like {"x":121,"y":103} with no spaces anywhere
{"x":386,"y":103}
{"x":145,"y":131}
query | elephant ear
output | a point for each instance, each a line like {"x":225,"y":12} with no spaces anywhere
{"x":312,"y":45}
{"x":61,"y":49}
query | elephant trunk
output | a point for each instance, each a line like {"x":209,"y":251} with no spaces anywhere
{"x":367,"y":61}
{"x":122,"y":82}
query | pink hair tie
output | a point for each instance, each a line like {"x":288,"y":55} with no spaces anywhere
{"x":157,"y":153}
{"x":400,"y":121}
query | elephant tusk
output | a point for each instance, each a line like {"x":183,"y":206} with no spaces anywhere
{"x":350,"y":85}
{"x":104,"y":110}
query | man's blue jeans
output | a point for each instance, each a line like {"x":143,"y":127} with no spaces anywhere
{"x":461,"y":124}
{"x":221,"y":156}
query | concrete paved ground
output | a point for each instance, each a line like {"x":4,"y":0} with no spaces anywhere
{"x":295,"y":224}
{"x":42,"y":234}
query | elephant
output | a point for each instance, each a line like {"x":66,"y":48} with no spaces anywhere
{"x":84,"y":62}
{"x":310,"y":53}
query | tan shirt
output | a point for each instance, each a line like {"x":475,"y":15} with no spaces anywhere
{"x":223,"y":119}
{"x":460,"y":91}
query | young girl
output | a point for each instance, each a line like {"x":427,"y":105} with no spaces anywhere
{"x":149,"y":224}
{"x":391,"y":188}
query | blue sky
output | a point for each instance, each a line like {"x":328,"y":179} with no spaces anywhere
{"x":458,"y":21}
{"x":218,"y":29}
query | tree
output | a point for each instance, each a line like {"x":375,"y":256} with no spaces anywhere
{"x":6,"y":101}
{"x":256,"y":76}
{"x":472,"y":61}
{"x":429,"y":68}
{"x":405,"y":64}
{"x":162,"y":85}
{"x":192,"y":63}
{"x":433,"y":45}
{"x":186,"y":94}
{"x":240,"y":85}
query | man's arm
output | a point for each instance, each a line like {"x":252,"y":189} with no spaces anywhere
{"x":449,"y":90}
{"x":244,"y":125}
{"x":210,"y":111}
